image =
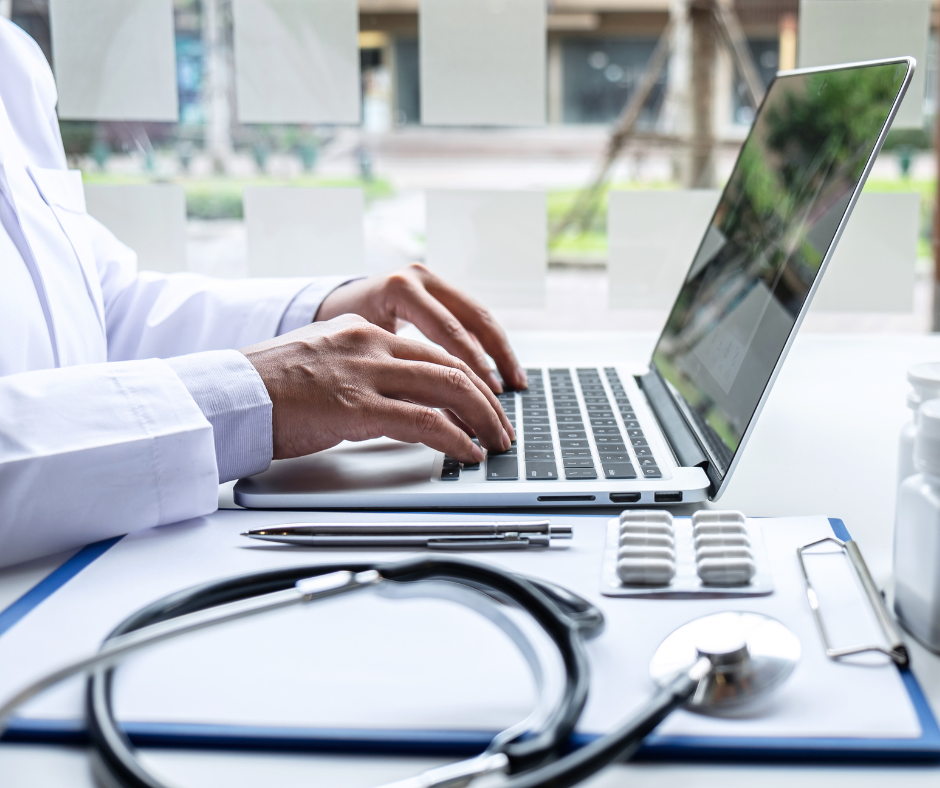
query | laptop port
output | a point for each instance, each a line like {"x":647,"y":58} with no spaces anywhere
{"x":565,"y":498}
{"x":625,"y":497}
{"x":672,"y":497}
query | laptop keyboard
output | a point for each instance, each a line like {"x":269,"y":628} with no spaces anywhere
{"x":587,"y":441}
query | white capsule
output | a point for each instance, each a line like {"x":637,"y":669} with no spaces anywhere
{"x":645,"y":571}
{"x":718,"y":529}
{"x":647,"y":552}
{"x":726,"y":571}
{"x":647,"y":528}
{"x":723,"y":552}
{"x":729,"y":540}
{"x":650,"y":516}
{"x":715,"y":517}
{"x":647,"y":540}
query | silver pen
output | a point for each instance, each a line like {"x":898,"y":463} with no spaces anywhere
{"x":481,"y":535}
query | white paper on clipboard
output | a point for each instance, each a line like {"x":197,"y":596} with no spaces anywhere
{"x":373,"y":663}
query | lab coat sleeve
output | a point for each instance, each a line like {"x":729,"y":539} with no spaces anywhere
{"x":150,"y":314}
{"x":92,"y":451}
{"x":232,"y":396}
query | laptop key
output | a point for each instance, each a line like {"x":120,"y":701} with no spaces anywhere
{"x":471,"y":466}
{"x":604,"y":440}
{"x":638,"y":442}
{"x":646,"y":462}
{"x":619,"y":471}
{"x":580,"y":473}
{"x":635,"y":432}
{"x":608,"y":457}
{"x":499,"y":467}
{"x":603,"y":422}
{"x":540,"y":455}
{"x":541,"y":470}
{"x":537,"y":429}
{"x":572,"y":434}
{"x":575,"y":452}
{"x":606,"y":431}
{"x":617,"y":448}
{"x":643,"y":451}
{"x":533,"y":421}
{"x":450,"y":474}
{"x":651,"y":472}
{"x":540,"y":439}
{"x":578,"y":462}
{"x":630,"y":424}
{"x":450,"y":462}
{"x":575,"y":445}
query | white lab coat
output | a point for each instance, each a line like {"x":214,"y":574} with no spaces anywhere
{"x":98,"y":436}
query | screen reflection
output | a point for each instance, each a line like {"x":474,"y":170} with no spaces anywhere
{"x":790,"y":188}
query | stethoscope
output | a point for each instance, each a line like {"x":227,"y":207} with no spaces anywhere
{"x":714,"y":664}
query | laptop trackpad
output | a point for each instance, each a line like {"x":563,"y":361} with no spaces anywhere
{"x":367,"y":465}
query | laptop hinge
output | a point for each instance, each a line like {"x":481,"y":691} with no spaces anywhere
{"x":683,"y":440}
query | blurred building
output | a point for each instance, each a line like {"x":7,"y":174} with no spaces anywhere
{"x":597,"y":52}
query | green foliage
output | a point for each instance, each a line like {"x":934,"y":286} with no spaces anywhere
{"x":78,"y":136}
{"x":221,"y":198}
{"x":918,"y":139}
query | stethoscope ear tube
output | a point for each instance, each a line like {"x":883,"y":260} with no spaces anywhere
{"x":566,"y":618}
{"x":618,"y":745}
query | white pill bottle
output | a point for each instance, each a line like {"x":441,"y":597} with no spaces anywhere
{"x":925,"y":385}
{"x":917,"y":535}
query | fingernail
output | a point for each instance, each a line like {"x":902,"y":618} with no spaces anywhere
{"x":495,"y":383}
{"x":511,"y":433}
{"x":477,"y":453}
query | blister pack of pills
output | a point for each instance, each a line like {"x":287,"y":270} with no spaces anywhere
{"x":649,"y":553}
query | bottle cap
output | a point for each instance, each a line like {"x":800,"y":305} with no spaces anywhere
{"x":927,"y":440}
{"x":925,"y":382}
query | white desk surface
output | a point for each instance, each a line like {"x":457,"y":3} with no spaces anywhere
{"x":826,"y":444}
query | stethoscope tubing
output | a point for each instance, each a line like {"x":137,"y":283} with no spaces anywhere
{"x":567,"y":619}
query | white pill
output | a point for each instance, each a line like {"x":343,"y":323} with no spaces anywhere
{"x":646,"y":540}
{"x":646,"y":516}
{"x":726,"y":571}
{"x":647,"y":552}
{"x":645,"y":571}
{"x":723,"y":552}
{"x":729,"y":540}
{"x":728,"y":516}
{"x":646,"y":528}
{"x":718,"y":529}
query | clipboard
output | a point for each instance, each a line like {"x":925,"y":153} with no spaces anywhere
{"x":456,"y":743}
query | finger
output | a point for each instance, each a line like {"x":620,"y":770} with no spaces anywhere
{"x":478,"y":320}
{"x":409,"y":349}
{"x":405,"y":421}
{"x":439,"y":325}
{"x":455,"y":420}
{"x":447,"y":387}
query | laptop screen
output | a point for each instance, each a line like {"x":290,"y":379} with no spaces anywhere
{"x":790,"y":188}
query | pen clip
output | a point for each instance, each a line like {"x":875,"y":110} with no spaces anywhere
{"x":513,"y":542}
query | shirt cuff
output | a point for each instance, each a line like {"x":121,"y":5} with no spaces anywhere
{"x":303,"y":309}
{"x":233,"y":398}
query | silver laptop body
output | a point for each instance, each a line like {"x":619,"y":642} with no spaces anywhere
{"x":674,"y":432}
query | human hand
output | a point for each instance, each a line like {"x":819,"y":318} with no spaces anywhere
{"x":441,"y":312}
{"x":346,"y":379}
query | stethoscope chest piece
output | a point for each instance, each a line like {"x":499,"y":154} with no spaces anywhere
{"x":750,"y":654}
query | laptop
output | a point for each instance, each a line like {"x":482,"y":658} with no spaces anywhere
{"x":674,"y":432}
